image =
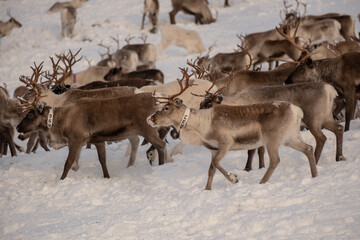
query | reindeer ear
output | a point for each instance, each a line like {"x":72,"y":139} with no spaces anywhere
{"x":218,"y":99}
{"x":40,"y":106}
{"x":309,"y":62}
{"x":178,"y":102}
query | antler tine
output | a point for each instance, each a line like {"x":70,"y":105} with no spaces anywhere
{"x":70,"y":61}
{"x":199,"y":70}
{"x":247,"y":53}
{"x":128,"y":39}
{"x":53,"y":76}
{"x":117,"y":40}
{"x":143,"y":37}
{"x":231,"y":74}
{"x":107,"y":48}
{"x":186,"y":77}
{"x":32,"y":84}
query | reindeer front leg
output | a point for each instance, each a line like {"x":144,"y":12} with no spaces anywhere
{"x":217,"y":156}
{"x":74,"y":154}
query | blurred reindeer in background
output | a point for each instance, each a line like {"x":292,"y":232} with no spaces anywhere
{"x":7,"y":27}
{"x":152,"y":8}
{"x":67,"y":14}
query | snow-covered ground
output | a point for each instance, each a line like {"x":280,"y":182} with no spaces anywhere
{"x":167,"y":202}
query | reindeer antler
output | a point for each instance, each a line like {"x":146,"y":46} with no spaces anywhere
{"x":143,"y":37}
{"x":185,"y":77}
{"x":213,"y":80}
{"x":247,"y":53}
{"x":32,"y":84}
{"x":292,"y":41}
{"x":128,"y":39}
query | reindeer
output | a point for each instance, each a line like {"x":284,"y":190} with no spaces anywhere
{"x":68,"y":18}
{"x":199,"y":8}
{"x":127,"y":59}
{"x":341,"y":72}
{"x":133,"y":82}
{"x":188,"y":39}
{"x":271,"y":50}
{"x":223,"y":128}
{"x":245,"y":78}
{"x":113,"y":124}
{"x":73,"y":3}
{"x":7,"y":27}
{"x":152,"y":8}
{"x":225,"y":61}
{"x":317,"y":115}
{"x":35,"y":138}
{"x":153,"y":74}
{"x":10,"y":111}
{"x":328,"y":50}
{"x":147,"y":52}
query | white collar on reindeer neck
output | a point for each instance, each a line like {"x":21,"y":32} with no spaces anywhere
{"x":185,"y":118}
{"x":50,"y":118}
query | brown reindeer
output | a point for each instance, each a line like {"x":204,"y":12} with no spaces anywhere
{"x":199,"y":8}
{"x":120,"y":118}
{"x":223,"y":128}
{"x":153,"y":74}
{"x":341,"y":72}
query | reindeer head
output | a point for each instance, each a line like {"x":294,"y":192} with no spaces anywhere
{"x":13,"y":21}
{"x":174,"y":109}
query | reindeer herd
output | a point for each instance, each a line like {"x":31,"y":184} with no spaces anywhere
{"x":225,"y":102}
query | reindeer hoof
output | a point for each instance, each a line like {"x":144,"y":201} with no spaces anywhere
{"x":247,"y":169}
{"x":341,"y":158}
{"x":233,"y":178}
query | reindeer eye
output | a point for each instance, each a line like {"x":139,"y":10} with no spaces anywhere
{"x":166,"y":108}
{"x":30,"y":116}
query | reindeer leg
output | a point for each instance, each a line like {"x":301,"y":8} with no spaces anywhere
{"x":74,"y":154}
{"x":177,"y":149}
{"x":350,"y":109}
{"x":172,"y":15}
{"x":215,"y":162}
{"x":320,"y":139}
{"x":134,"y":142}
{"x":43,"y":141}
{"x":273,"y":151}
{"x":31,"y":141}
{"x":338,"y":130}
{"x":248,"y":166}
{"x":298,"y":144}
{"x":8,"y":136}
{"x":261,"y":153}
{"x":100,"y":147}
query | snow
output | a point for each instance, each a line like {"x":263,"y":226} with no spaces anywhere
{"x":168,"y":201}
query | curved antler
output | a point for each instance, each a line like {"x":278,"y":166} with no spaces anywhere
{"x":292,"y":41}
{"x":185,"y":77}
